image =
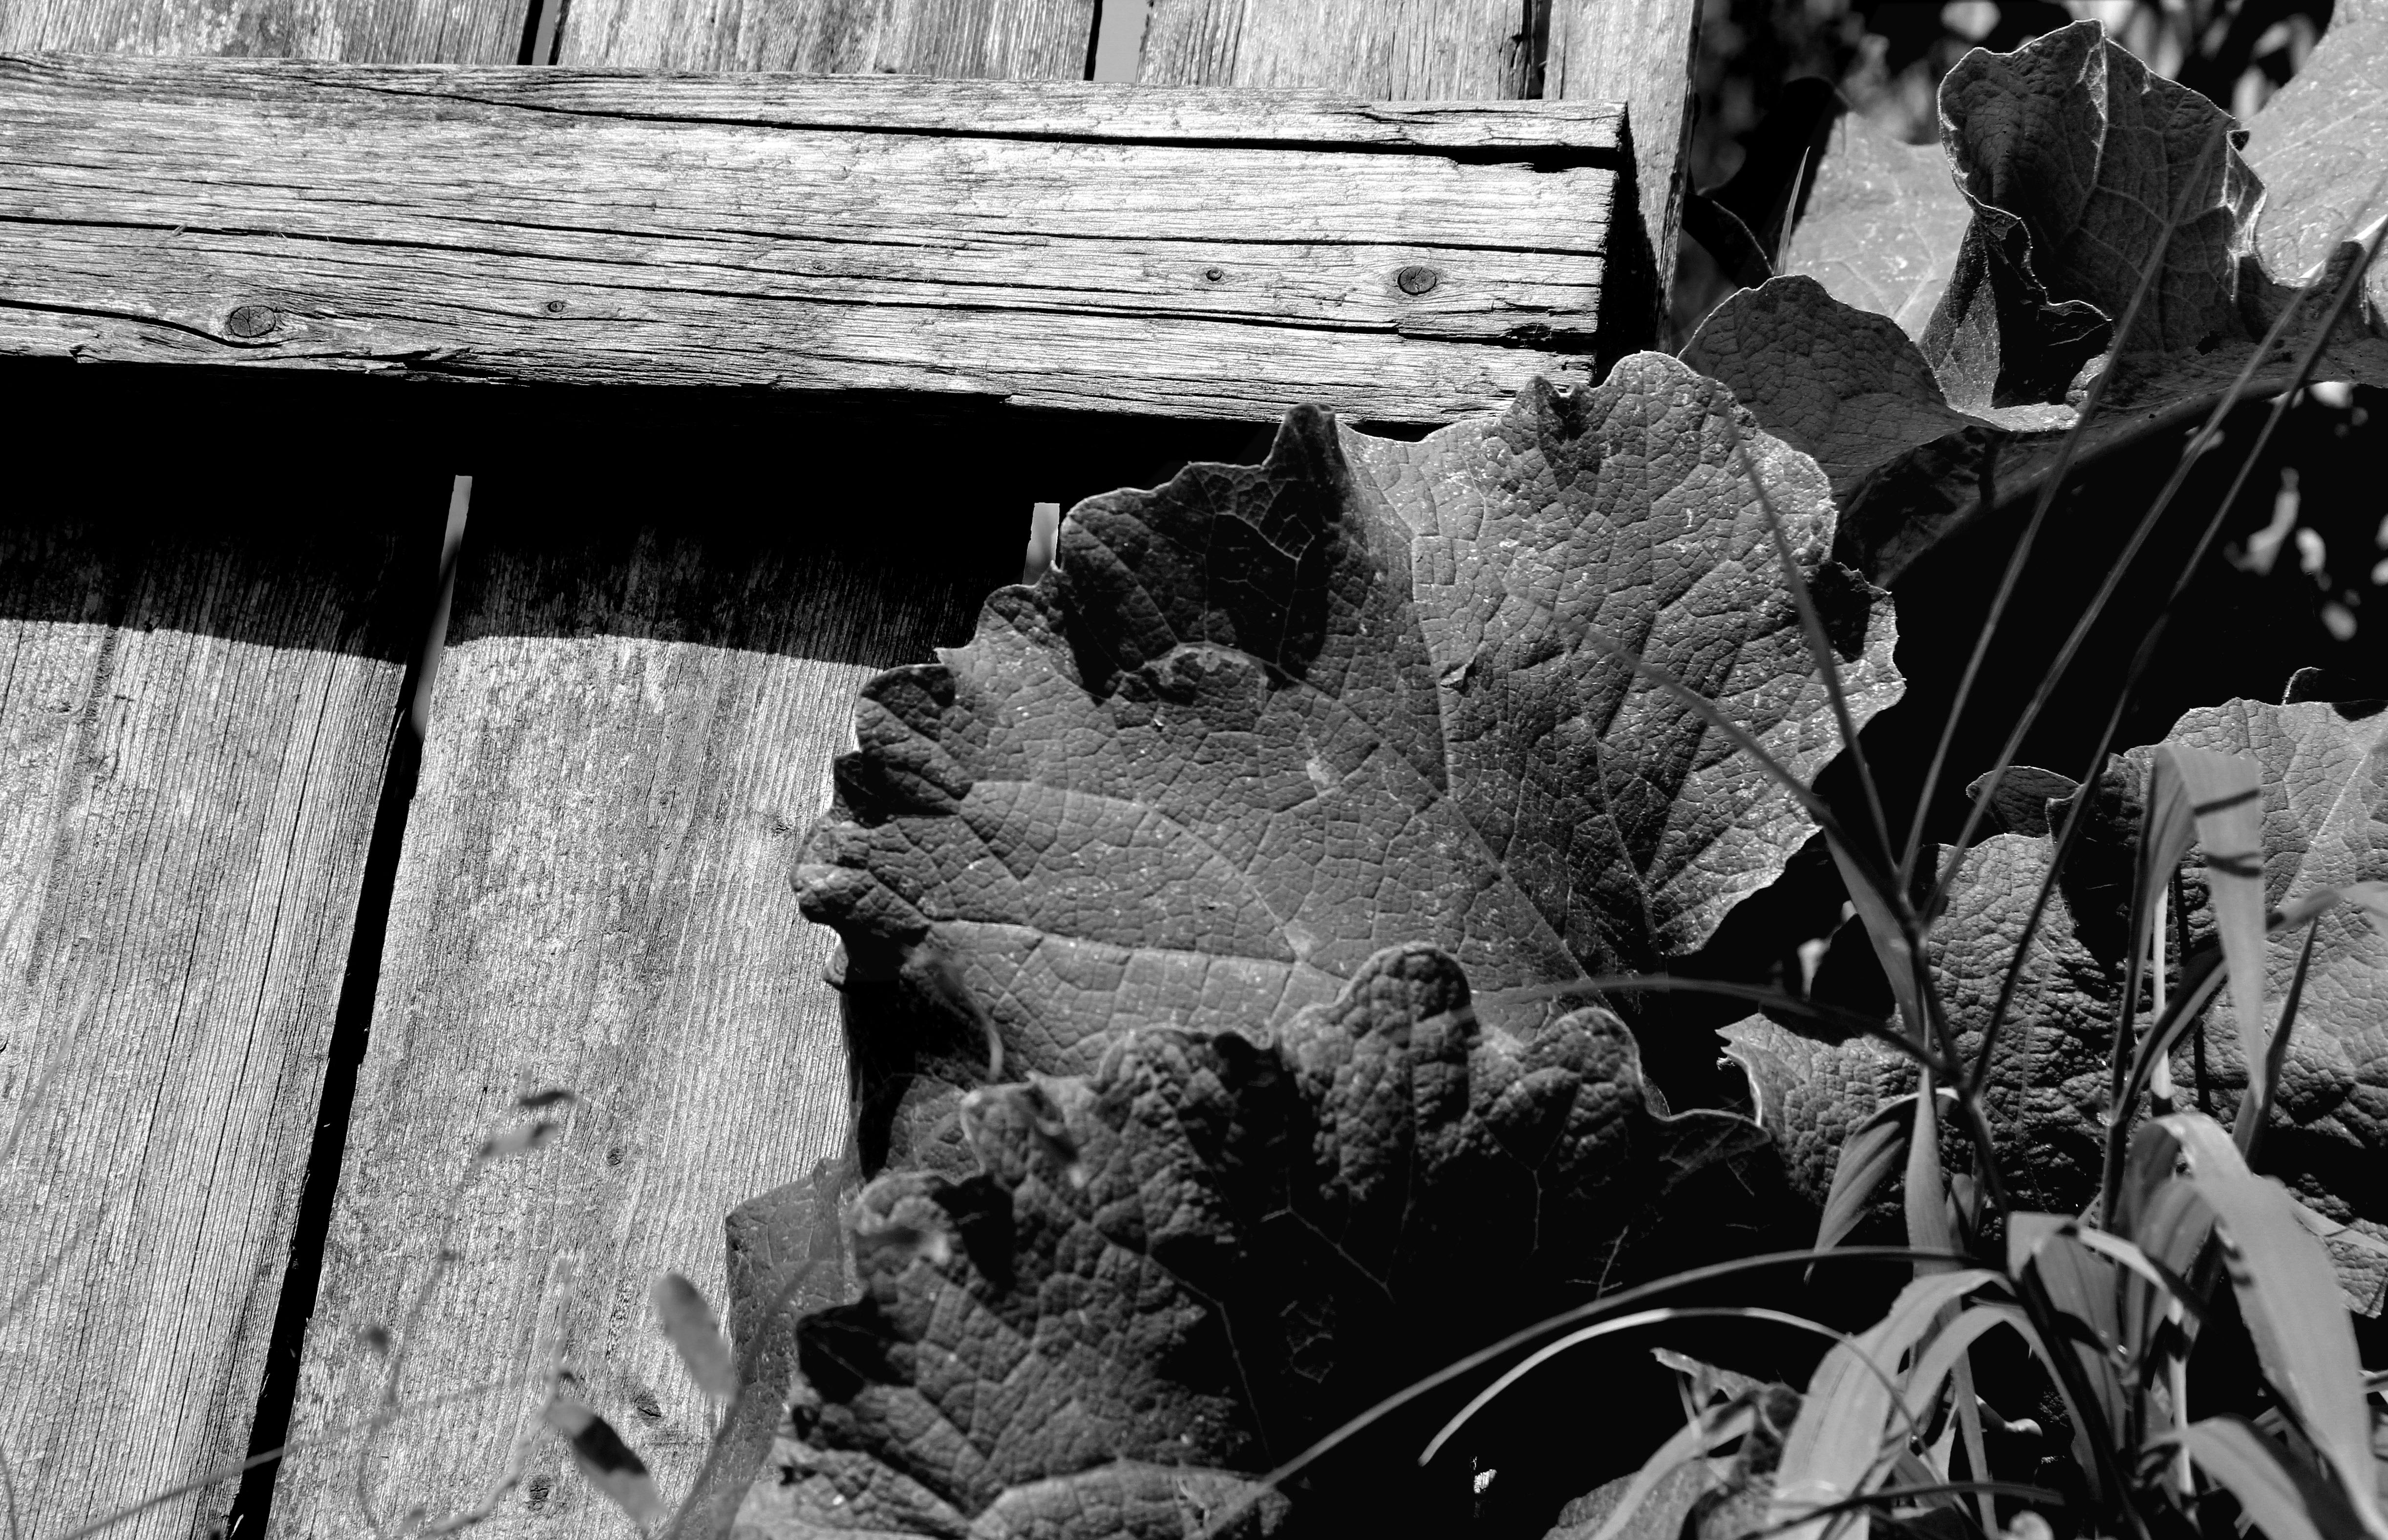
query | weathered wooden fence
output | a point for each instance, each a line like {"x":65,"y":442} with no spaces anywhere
{"x":270,"y":968}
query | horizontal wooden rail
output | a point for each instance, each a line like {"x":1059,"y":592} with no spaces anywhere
{"x":1196,"y":252}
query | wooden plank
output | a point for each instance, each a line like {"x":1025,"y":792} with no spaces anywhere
{"x":1642,"y":54}
{"x":197,"y":690}
{"x":365,"y":31}
{"x":632,"y":729}
{"x":1389,"y":50}
{"x":971,"y":39}
{"x":526,"y":225}
{"x":1638,"y":52}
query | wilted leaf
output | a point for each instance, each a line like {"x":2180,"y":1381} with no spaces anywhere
{"x":2325,"y":781}
{"x":2074,"y":158}
{"x":1261,"y":721}
{"x":1266,"y":1240}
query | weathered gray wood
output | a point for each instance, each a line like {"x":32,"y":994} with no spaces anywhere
{"x":1640,"y":52}
{"x":196,"y":702}
{"x":522,"y":224}
{"x":971,"y":39}
{"x":418,"y":31}
{"x":1389,"y":50}
{"x":632,"y":727}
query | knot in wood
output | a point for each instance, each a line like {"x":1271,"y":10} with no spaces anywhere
{"x":1418,"y":279}
{"x":248,"y":321}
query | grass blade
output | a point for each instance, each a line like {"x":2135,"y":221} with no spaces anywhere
{"x":1925,"y":1193}
{"x":2288,"y":1292}
{"x":1635,"y":1323}
{"x":1819,"y":646}
{"x":2226,"y":794}
{"x":2253,"y":1113}
{"x":2276,"y":1496}
{"x":1353,"y":1426}
{"x":1867,"y":1158}
{"x":2012,"y":576}
{"x":1833,"y":1449}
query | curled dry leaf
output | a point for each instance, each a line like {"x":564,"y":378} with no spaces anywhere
{"x":1261,"y":721}
{"x":1264,"y":1239}
{"x":2325,"y":780}
{"x":2070,"y":157}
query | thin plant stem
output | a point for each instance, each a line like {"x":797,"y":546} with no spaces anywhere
{"x":1660,"y":1316}
{"x":226,"y":1472}
{"x":2075,"y":817}
{"x":1820,"y":644}
{"x":1526,"y":1335}
{"x":2204,"y":436}
{"x":2011,"y":577}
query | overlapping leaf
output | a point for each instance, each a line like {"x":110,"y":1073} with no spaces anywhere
{"x":1265,"y":720}
{"x":2082,"y":171}
{"x":1174,"y":1271}
{"x":2325,"y":825}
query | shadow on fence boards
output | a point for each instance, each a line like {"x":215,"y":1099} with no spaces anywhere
{"x":343,"y":802}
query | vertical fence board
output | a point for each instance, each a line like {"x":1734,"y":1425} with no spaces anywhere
{"x":197,"y":691}
{"x":632,"y":727}
{"x":361,"y":32}
{"x":1389,"y":50}
{"x":971,"y":39}
{"x":1641,"y":54}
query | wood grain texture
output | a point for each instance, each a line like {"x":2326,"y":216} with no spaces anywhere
{"x":1639,"y":52}
{"x":365,"y":32}
{"x":1043,"y":40}
{"x":195,"y":704}
{"x":521,"y":225}
{"x":1388,"y":50}
{"x":632,"y":727}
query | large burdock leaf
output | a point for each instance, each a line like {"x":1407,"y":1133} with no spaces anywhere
{"x":2084,"y":173}
{"x":1172,"y":1272}
{"x":1881,"y":224}
{"x":2316,"y":145}
{"x":2325,"y":826}
{"x":1265,"y":720}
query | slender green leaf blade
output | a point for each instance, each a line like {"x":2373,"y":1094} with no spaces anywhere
{"x":1836,"y":1446}
{"x":2257,"y":1472}
{"x":2226,"y":794}
{"x":2289,"y":1294}
{"x":1868,"y":1157}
